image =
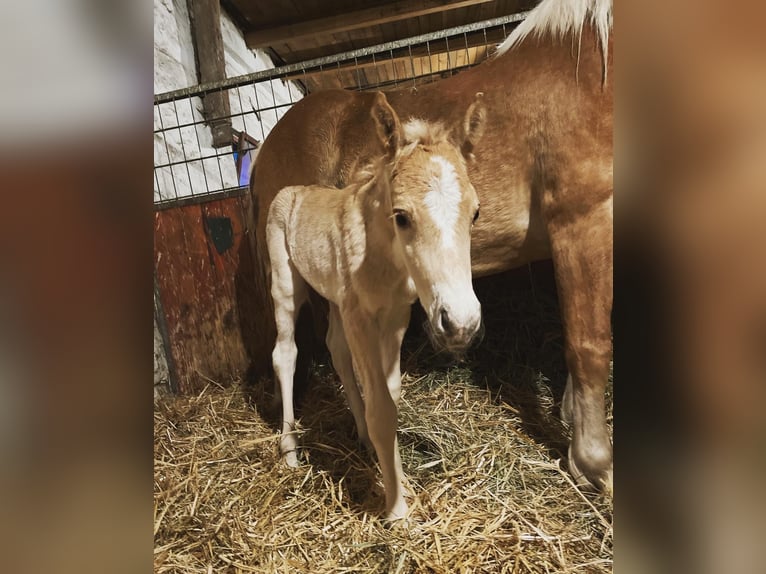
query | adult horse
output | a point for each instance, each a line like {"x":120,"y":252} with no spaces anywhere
{"x":543,"y":173}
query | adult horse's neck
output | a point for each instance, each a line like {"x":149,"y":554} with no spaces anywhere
{"x":376,"y":206}
{"x":374,"y":201}
{"x":537,"y":95}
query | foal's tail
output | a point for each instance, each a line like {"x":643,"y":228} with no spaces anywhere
{"x":260,"y":336}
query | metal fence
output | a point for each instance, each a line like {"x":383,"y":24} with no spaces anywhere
{"x":188,"y":168}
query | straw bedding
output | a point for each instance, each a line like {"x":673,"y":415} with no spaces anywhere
{"x":481,"y":444}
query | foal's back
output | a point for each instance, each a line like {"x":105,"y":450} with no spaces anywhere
{"x":310,"y":217}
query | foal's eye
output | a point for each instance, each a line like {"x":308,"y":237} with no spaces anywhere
{"x":476,"y":215}
{"x":402,"y":219}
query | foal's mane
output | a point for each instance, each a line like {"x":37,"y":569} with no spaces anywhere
{"x":416,"y":132}
{"x":419,"y":131}
{"x":558,"y":18}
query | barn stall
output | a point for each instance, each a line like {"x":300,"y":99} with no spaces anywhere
{"x":481,"y":440}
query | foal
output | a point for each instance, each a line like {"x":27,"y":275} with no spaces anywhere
{"x":400,"y":232}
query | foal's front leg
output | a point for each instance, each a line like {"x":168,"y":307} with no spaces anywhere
{"x":370,"y":346}
{"x":395,"y":324}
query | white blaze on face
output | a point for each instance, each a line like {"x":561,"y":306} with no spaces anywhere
{"x":443,"y":200}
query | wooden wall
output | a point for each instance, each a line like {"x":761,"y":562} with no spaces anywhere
{"x":204,"y":271}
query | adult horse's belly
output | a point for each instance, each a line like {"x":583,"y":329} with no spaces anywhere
{"x":510,"y":231}
{"x":494,"y":251}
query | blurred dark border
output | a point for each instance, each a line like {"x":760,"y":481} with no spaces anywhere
{"x":76,"y":286}
{"x":690,"y":286}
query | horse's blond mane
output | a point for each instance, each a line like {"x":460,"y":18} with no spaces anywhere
{"x":416,"y":132}
{"x":419,"y":131}
{"x":560,"y":17}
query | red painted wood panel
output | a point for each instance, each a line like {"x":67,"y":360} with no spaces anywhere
{"x":204,"y":273}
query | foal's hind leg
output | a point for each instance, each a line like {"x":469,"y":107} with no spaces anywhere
{"x":289,"y":291}
{"x":341,"y":360}
{"x":582,"y":257}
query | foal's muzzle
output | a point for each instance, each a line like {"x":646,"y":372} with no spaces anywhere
{"x":455,"y":332}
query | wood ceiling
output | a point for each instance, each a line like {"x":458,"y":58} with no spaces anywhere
{"x":294,"y":31}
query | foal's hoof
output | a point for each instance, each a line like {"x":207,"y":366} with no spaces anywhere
{"x":291,"y":459}
{"x":397,"y":513}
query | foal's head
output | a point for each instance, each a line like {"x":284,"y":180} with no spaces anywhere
{"x":433,"y":208}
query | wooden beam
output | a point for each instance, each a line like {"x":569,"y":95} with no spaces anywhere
{"x":401,"y":10}
{"x":490,"y":37}
{"x":208,"y":48}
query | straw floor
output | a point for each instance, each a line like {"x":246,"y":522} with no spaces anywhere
{"x":481,"y":443}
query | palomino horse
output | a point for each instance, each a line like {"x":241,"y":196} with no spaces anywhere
{"x":543,"y":172}
{"x":400,"y":232}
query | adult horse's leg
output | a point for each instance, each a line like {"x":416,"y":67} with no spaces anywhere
{"x":567,"y":404}
{"x":582,"y":257}
{"x":341,"y":360}
{"x":366,"y":341}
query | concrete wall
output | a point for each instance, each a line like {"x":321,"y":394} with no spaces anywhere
{"x":205,"y":169}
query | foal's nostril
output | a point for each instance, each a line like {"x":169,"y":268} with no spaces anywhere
{"x":447,"y":325}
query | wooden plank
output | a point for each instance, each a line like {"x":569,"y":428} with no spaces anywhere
{"x":363,"y":18}
{"x":204,"y":274}
{"x":224,"y":232}
{"x":208,"y":46}
{"x":176,"y":285}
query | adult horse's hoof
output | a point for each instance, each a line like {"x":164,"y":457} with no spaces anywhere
{"x":592,"y":473}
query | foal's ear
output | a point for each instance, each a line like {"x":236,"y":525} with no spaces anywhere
{"x":387,"y":124}
{"x":473,"y":125}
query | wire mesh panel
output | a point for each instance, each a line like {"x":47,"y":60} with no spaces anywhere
{"x":186,"y":161}
{"x":203,"y":265}
{"x":188,"y":165}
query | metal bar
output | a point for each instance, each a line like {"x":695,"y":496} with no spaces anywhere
{"x":274,"y":73}
{"x":198,"y":122}
{"x":200,"y":158}
{"x":187,"y":200}
{"x":274,"y":101}
{"x":257,"y":112}
{"x":167,"y":152}
{"x":199,"y":147}
{"x":183,"y":149}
